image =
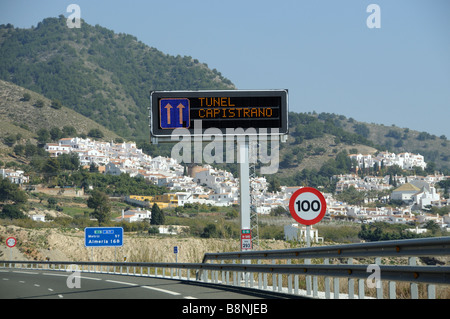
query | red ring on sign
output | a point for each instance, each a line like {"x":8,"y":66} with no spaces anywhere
{"x":7,"y":240}
{"x":323,"y":204}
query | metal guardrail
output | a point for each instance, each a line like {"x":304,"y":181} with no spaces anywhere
{"x":437,"y":246}
{"x":285,"y":277}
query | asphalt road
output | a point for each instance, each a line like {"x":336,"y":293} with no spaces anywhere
{"x":42,"y":284}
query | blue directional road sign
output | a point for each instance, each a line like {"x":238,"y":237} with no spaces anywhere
{"x":175,"y":249}
{"x":103,"y":236}
{"x":174,"y":113}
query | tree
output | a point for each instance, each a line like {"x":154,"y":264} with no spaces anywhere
{"x":12,"y":212}
{"x":43,"y":136}
{"x":95,"y":133}
{"x":158,"y":217}
{"x":56,"y":104}
{"x":99,"y":201}
{"x":39,"y":104}
{"x":10,"y":192}
{"x":26,"y":97}
{"x":51,"y":167}
{"x":9,"y":140}
{"x":55,"y":133}
{"x":351,"y":196}
{"x":209,"y":231}
{"x":15,"y":199}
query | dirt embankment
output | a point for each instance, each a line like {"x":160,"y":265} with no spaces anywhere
{"x":68,"y":245}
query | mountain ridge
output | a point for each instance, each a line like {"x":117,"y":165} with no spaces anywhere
{"x":108,"y":77}
{"x":98,"y":73}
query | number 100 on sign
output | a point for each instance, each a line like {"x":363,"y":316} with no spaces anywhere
{"x":307,"y":206}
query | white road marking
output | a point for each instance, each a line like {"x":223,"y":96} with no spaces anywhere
{"x":162,"y":290}
{"x":90,"y":278}
{"x":52,"y":274}
{"x":122,"y":283}
{"x":25,"y":272}
{"x":189,"y":297}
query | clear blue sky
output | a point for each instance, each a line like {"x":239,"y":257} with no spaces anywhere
{"x":321,"y":51}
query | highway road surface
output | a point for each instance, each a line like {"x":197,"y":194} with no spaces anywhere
{"x":44,"y":284}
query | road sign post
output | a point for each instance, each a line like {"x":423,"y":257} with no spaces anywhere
{"x":307,"y":206}
{"x":234,"y":114}
{"x":11,"y":242}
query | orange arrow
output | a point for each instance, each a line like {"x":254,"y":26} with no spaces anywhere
{"x":181,"y":107}
{"x":168,"y":107}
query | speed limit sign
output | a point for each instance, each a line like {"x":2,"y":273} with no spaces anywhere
{"x":11,"y":242}
{"x":307,"y":206}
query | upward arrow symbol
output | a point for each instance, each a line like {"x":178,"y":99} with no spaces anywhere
{"x":168,"y":107}
{"x":181,"y":107}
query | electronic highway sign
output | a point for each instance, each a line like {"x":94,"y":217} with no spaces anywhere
{"x":197,"y":111}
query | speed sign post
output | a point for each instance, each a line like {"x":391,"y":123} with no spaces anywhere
{"x":11,"y":242}
{"x":307,"y":206}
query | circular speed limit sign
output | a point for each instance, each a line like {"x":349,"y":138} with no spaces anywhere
{"x":11,"y":242}
{"x":307,"y":206}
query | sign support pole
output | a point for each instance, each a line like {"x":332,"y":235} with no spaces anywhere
{"x":244,"y":182}
{"x":244,"y":189}
{"x":308,"y":236}
{"x":308,"y":260}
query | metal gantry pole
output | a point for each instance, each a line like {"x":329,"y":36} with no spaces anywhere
{"x":244,"y":181}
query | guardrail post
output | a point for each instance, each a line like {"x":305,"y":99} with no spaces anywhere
{"x":234,"y":274}
{"x":280,"y":282}
{"x":274,"y":278}
{"x":392,"y":290}
{"x":361,"y":285}
{"x":308,"y":278}
{"x":380,"y":288}
{"x":315,"y":287}
{"x":259,"y":276}
{"x":336,"y":287}
{"x":289,"y":278}
{"x":431,"y":291}
{"x":327,"y":281}
{"x":414,"y":287}
{"x":351,"y":283}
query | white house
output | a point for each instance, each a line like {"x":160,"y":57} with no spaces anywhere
{"x":15,"y":177}
{"x":405,"y":192}
{"x":135,"y":215}
{"x":297,"y":233}
{"x":424,"y":197}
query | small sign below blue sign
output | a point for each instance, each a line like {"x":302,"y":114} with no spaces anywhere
{"x":103,"y":236}
{"x":174,"y":113}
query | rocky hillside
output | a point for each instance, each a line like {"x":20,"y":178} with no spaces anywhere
{"x":23,"y":113}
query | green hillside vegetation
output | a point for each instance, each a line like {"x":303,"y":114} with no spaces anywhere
{"x":316,"y":138}
{"x":102,"y":75}
{"x":107,"y":77}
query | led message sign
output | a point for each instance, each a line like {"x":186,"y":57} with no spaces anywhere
{"x":171,"y":110}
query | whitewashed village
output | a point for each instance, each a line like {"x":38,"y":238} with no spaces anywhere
{"x":207,"y":185}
